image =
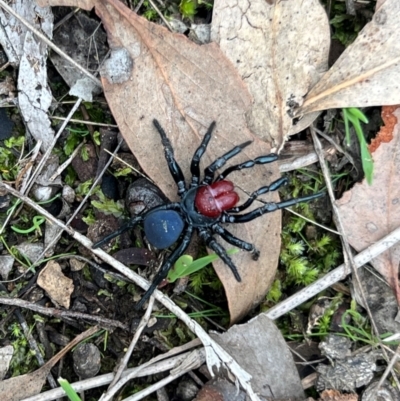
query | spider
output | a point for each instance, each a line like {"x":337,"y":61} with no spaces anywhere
{"x":205,"y":206}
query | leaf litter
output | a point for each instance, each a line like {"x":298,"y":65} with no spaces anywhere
{"x":197,"y":118}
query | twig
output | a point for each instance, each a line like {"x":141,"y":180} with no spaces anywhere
{"x":334,"y":276}
{"x":154,"y":366}
{"x":194,"y":360}
{"x":216,"y":356}
{"x":54,"y":312}
{"x":124,"y":361}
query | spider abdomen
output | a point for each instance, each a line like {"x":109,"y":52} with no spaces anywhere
{"x":163,"y":228}
{"x":212,"y":200}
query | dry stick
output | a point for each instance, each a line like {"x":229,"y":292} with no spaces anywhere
{"x":192,"y":362}
{"x":156,"y":365}
{"x":215,"y":354}
{"x":346,"y":246}
{"x":49,"y":43}
{"x":45,"y":157}
{"x":124,"y":361}
{"x":67,"y":162}
{"x":54,"y":312}
{"x":334,"y":276}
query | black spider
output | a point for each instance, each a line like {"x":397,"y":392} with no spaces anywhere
{"x":203,"y":207}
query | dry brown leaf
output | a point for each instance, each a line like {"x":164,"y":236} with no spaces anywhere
{"x":371,"y":212}
{"x":21,"y":387}
{"x":153,"y":73}
{"x":259,"y":348}
{"x":187,"y":86}
{"x":277,"y":54}
{"x":368,"y":72}
{"x":58,"y":287}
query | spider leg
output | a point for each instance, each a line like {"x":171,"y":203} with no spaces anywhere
{"x":231,"y":239}
{"x":210,"y":170}
{"x":267,"y":208}
{"x":173,"y":165}
{"x":273,"y":187}
{"x":206,"y":236}
{"x":134,"y":221}
{"x":194,"y":166}
{"x":166,"y":267}
{"x":248,"y":164}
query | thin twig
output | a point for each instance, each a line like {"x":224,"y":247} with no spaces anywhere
{"x":54,"y":312}
{"x":156,"y":365}
{"x":124,"y":361}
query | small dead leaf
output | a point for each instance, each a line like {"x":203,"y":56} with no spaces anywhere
{"x":371,"y":212}
{"x":277,"y":54}
{"x":6,"y":354}
{"x":368,"y":72}
{"x":58,"y":287}
{"x":20,"y":387}
{"x":259,"y":348}
{"x":334,"y":395}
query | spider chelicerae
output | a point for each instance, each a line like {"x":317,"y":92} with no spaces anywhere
{"x":205,"y":206}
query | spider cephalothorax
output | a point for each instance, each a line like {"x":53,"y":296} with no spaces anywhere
{"x":204,"y":207}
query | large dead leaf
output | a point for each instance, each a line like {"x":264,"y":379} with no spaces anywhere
{"x":371,"y":212}
{"x":277,"y":54}
{"x":271,"y":366}
{"x":368,"y":72}
{"x":153,"y":73}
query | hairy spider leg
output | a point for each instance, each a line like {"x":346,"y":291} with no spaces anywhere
{"x":195,"y":164}
{"x":213,"y":167}
{"x":247,"y":164}
{"x":267,"y":208}
{"x":173,"y":165}
{"x":134,"y":221}
{"x":268,"y":188}
{"x":166,"y":267}
{"x":207,"y":237}
{"x":231,"y":239}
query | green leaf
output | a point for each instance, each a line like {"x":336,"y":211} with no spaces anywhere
{"x":354,"y":116}
{"x":71,"y":393}
{"x":185,"y":265}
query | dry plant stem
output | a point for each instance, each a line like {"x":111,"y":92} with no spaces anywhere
{"x":77,"y":210}
{"x":53,"y":312}
{"x":67,"y":162}
{"x":389,"y":368}
{"x":347,"y":251}
{"x":152,"y":367}
{"x":33,"y":345}
{"x":46,"y":40}
{"x":334,"y":276}
{"x":215,"y":354}
{"x":73,"y":120}
{"x":124,"y":361}
{"x":45,"y":157}
{"x":193,"y":361}
{"x":161,"y":15}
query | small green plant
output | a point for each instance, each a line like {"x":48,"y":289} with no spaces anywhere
{"x":108,"y":206}
{"x":71,"y":393}
{"x":188,"y":8}
{"x":185,"y":266}
{"x":73,"y":139}
{"x":355,"y":117}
